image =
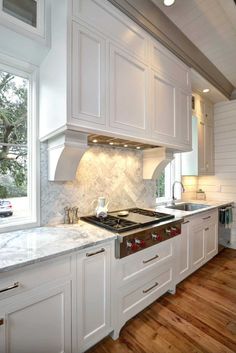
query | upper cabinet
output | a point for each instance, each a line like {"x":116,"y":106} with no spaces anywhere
{"x":200,"y":161}
{"x":27,"y":15}
{"x":25,"y":27}
{"x":113,"y":79}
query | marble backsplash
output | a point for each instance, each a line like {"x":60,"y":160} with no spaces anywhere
{"x":113,"y":173}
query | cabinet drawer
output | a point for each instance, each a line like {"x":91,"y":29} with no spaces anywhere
{"x":15,"y":282}
{"x":137,"y":298}
{"x":139,"y":264}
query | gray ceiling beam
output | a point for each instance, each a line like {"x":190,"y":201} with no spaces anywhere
{"x":146,"y":14}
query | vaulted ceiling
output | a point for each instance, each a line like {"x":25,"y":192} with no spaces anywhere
{"x":211,"y":26}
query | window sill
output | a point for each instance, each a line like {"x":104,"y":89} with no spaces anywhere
{"x":18,"y":224}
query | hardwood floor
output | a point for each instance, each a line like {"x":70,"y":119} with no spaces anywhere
{"x":199,"y":318}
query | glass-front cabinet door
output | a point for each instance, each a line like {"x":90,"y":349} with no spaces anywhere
{"x":27,"y":15}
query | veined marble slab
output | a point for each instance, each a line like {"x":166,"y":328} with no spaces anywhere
{"x":24,"y":247}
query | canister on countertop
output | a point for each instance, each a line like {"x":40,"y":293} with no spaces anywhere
{"x":200,"y":195}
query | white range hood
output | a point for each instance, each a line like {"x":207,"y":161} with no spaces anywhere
{"x":66,"y":150}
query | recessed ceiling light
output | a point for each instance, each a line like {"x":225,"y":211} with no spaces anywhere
{"x":138,"y":147}
{"x":206,"y":90}
{"x":111,"y":143}
{"x":169,"y":2}
{"x":95,"y":141}
{"x":125,"y":145}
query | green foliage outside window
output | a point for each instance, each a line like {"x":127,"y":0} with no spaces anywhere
{"x":160,"y":191}
{"x":13,"y":135}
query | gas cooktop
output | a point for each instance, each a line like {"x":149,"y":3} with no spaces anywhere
{"x":135,"y":218}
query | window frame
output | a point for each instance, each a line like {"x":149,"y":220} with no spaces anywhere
{"x":173,"y":173}
{"x":29,"y":72}
{"x":23,"y":27}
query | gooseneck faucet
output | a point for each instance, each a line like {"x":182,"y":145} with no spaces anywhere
{"x":173,"y":190}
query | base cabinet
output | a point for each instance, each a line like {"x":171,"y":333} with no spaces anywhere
{"x":93,"y":296}
{"x":37,"y":321}
{"x":198,"y":243}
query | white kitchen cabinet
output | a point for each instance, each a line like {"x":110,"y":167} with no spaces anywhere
{"x":37,"y":321}
{"x":112,"y":79}
{"x":200,"y":161}
{"x":141,"y":278}
{"x":184,"y":252}
{"x":164,"y":113}
{"x":211,"y":238}
{"x":198,"y":243}
{"x":93,"y":296}
{"x":128,"y":93}
{"x":89,"y":77}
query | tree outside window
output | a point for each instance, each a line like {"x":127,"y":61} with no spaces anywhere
{"x":13,"y":136}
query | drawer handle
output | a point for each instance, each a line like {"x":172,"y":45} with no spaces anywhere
{"x":207,"y":228}
{"x":15,"y":285}
{"x":207,"y":217}
{"x":1,"y":322}
{"x":153,"y":258}
{"x":186,"y":222}
{"x":95,"y":253}
{"x":148,"y":290}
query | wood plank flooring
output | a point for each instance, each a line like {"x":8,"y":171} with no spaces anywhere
{"x":199,"y":318}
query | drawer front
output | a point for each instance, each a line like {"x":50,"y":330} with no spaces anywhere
{"x":137,"y":298}
{"x":15,"y":282}
{"x":139,"y":264}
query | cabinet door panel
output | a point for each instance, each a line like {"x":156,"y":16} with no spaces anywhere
{"x":201,"y":147}
{"x":211,"y":240}
{"x":184,"y":253}
{"x":128,"y":92}
{"x":184,"y":118}
{"x":93,"y":296}
{"x":197,"y":246}
{"x":164,"y":112}
{"x":38,"y":322}
{"x":88,"y":76}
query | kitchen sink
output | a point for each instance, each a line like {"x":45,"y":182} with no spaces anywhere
{"x":188,"y":206}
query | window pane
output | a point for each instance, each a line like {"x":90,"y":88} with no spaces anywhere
{"x":161,"y":185}
{"x":24,"y":10}
{"x":13,"y":145}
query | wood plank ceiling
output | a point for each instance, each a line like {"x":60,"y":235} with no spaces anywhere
{"x":211,"y":26}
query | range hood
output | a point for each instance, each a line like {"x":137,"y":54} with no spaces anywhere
{"x":66,"y":150}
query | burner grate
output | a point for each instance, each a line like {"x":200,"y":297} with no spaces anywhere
{"x":111,"y":223}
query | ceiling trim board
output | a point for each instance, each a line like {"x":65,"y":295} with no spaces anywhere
{"x":146,"y":14}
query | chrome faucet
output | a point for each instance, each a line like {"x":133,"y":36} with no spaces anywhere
{"x":173,"y":190}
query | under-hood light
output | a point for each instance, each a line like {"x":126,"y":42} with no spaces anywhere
{"x":169,"y":2}
{"x":108,"y":141}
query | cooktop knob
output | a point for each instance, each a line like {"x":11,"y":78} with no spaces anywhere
{"x":156,"y":237}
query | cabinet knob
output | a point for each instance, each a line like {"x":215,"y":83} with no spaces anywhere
{"x":1,"y":322}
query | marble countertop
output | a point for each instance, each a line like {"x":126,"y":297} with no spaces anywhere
{"x":178,"y":213}
{"x":25,"y":247}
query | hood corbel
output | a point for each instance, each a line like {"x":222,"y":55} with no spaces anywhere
{"x":155,"y":160}
{"x":64,"y":154}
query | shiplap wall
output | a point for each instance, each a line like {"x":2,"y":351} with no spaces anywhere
{"x":222,"y":186}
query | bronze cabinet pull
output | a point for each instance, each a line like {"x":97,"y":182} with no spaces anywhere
{"x":153,"y":258}
{"x":206,"y":217}
{"x":148,"y":290}
{"x":186,"y":222}
{"x":95,"y":253}
{"x":1,"y":322}
{"x":13,"y":286}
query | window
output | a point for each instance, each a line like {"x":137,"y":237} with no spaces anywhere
{"x":24,"y":16}
{"x":18,"y":147}
{"x":166,"y":179}
{"x":24,"y":10}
